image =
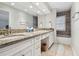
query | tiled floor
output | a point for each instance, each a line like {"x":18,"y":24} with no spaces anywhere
{"x":59,"y":50}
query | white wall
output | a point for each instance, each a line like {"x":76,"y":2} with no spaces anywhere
{"x":17,"y":19}
{"x":75,"y":27}
{"x":44,"y":21}
{"x":53,"y":17}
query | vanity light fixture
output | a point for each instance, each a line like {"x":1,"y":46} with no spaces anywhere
{"x":12,"y":4}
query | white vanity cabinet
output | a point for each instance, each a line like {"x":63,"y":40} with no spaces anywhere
{"x":15,"y":49}
{"x":44,"y":36}
{"x":33,"y":50}
{"x":28,"y":51}
{"x":37,"y":46}
{"x":27,"y":46}
{"x":51,"y":38}
{"x":37,"y":49}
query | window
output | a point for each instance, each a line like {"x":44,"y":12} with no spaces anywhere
{"x":60,"y":23}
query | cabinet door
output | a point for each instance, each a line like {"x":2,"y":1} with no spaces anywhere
{"x":37,"y":49}
{"x":51,"y":38}
{"x":25,"y":52}
{"x":37,"y":46}
{"x":38,"y":52}
{"x":13,"y":49}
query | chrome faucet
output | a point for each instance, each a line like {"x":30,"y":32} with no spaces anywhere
{"x":8,"y":30}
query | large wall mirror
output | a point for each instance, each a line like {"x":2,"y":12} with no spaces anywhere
{"x":4,"y":19}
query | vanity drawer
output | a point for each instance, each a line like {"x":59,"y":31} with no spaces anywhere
{"x":14,"y":48}
{"x":25,"y":52}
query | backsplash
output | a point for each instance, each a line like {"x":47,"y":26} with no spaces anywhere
{"x":4,"y":31}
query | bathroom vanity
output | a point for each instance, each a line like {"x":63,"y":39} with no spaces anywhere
{"x":25,"y":44}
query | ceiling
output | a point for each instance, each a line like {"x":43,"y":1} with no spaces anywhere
{"x":60,"y":6}
{"x":40,"y":8}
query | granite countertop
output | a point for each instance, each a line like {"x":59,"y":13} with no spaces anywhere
{"x":20,"y":36}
